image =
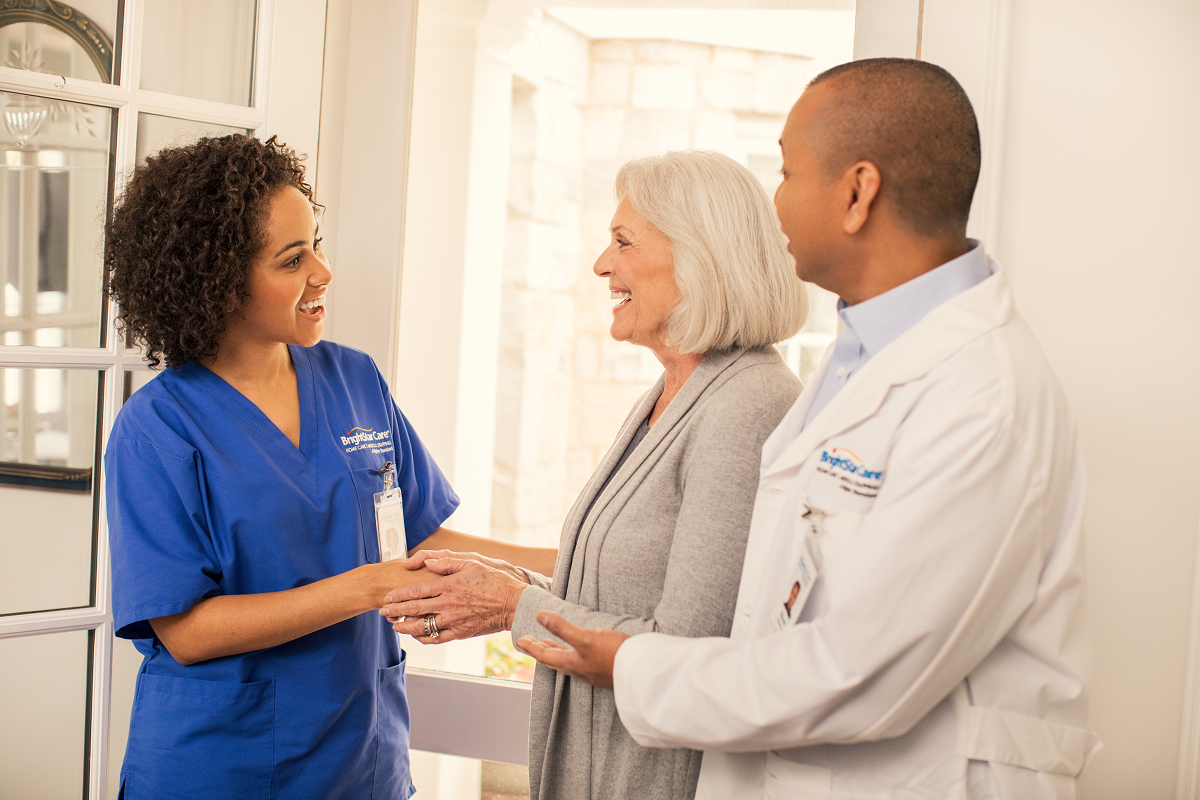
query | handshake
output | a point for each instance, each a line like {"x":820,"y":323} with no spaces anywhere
{"x":462,"y":595}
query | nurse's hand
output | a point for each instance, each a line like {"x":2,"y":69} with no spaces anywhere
{"x":589,"y":658}
{"x":472,"y":599}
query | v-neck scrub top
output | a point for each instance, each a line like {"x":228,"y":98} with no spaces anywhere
{"x":206,"y":496}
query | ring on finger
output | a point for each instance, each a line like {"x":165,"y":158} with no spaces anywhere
{"x":431,"y":628}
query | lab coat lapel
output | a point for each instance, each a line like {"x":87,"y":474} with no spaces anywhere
{"x":942,"y":332}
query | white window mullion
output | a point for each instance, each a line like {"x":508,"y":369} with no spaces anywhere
{"x":264,"y":43}
{"x":102,"y":648}
{"x":33,"y":357}
{"x":169,"y":105}
{"x":102,"y":651}
{"x":56,"y":87}
{"x":70,"y":619}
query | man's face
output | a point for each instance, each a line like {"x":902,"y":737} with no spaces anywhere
{"x":806,"y":200}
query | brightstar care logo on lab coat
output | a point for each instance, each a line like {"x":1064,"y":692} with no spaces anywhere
{"x":850,"y":472}
{"x":367,"y":439}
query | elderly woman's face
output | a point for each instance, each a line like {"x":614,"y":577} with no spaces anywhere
{"x":641,"y":275}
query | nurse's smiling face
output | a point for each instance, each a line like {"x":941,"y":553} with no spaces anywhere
{"x":288,"y":278}
{"x":641,"y":275}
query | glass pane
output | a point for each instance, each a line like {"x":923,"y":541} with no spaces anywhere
{"x":46,"y":459}
{"x":60,"y":40}
{"x":53,"y":191}
{"x":202,"y":50}
{"x":43,"y":691}
{"x":804,"y":351}
{"x":134,"y":380}
{"x":437,"y":776}
{"x":154,"y":133}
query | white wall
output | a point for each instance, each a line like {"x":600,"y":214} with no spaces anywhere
{"x":1097,"y":223}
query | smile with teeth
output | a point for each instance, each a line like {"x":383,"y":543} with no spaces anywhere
{"x":624,"y":297}
{"x":314,"y":304}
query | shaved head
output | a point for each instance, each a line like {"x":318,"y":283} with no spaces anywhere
{"x":914,"y":122}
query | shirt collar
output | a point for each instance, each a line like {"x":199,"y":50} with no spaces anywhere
{"x":884,"y":318}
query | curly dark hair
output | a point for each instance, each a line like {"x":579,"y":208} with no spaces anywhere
{"x":182,"y":238}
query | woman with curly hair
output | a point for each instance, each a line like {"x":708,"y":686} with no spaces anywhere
{"x":241,"y":491}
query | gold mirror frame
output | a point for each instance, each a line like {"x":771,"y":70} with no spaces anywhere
{"x":65,"y":18}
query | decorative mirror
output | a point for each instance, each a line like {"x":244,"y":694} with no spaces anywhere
{"x":49,"y":37}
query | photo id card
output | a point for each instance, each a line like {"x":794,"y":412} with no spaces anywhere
{"x":389,"y":525}
{"x":799,"y":585}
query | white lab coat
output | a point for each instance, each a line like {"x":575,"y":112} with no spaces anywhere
{"x":946,"y":624}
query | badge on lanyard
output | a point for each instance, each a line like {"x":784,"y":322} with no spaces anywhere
{"x":799,"y":584}
{"x":389,"y":518}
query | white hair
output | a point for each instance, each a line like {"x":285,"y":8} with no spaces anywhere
{"x":737,"y":283}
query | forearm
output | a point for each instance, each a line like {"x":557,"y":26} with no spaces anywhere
{"x":536,"y":559}
{"x":534,"y":599}
{"x":230,"y":624}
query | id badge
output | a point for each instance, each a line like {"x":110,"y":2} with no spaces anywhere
{"x":799,"y":585}
{"x":389,"y":524}
{"x":389,"y":519}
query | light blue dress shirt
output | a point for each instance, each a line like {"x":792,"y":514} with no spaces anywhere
{"x":873,"y":324}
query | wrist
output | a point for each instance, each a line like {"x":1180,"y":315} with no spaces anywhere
{"x":510,"y":609}
{"x":368,"y":586}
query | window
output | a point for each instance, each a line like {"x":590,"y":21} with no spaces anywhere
{"x":89,"y":90}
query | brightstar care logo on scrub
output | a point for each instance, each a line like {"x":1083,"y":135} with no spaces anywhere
{"x":367,"y":439}
{"x":850,"y":472}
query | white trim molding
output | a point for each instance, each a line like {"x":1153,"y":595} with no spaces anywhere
{"x":972,"y":39}
{"x":1187,"y":785}
{"x":467,"y":716}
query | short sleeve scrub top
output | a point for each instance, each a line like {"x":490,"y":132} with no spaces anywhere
{"x":207,"y":497}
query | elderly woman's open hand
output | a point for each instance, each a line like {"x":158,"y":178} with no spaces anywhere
{"x":475,"y":596}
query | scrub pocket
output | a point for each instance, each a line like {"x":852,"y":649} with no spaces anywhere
{"x":191,"y":739}
{"x":366,"y":483}
{"x":392,"y":777}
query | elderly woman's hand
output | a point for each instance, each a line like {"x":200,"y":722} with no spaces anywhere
{"x":472,"y":598}
{"x":418,"y":559}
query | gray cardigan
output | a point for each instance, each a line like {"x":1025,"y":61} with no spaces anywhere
{"x":661,"y":549}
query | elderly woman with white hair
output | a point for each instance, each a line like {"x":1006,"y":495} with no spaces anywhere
{"x":655,"y":541}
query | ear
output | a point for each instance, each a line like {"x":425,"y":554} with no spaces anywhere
{"x":861,"y":182}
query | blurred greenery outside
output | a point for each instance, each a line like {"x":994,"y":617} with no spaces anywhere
{"x":503,"y":660}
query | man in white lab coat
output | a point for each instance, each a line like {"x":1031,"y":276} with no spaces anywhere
{"x":909,"y":623}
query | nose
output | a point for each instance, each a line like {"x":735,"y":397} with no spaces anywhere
{"x":322,"y":275}
{"x":601,"y":267}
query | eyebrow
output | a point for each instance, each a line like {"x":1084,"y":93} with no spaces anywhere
{"x":286,"y":247}
{"x":616,"y":228}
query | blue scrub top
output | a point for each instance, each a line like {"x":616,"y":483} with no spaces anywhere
{"x":206,"y":496}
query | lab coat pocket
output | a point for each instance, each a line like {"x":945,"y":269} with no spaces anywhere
{"x":787,"y":780}
{"x":391,"y":712}
{"x":192,"y":738}
{"x":832,"y":531}
{"x":366,"y":483}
